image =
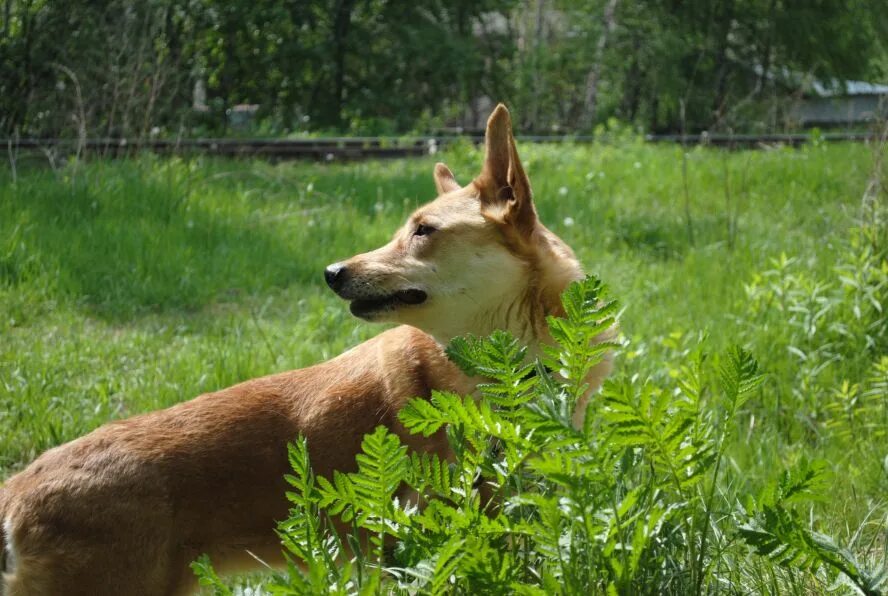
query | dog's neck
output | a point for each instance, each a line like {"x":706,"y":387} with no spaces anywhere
{"x":517,"y":314}
{"x":523,"y":313}
{"x":522,"y":310}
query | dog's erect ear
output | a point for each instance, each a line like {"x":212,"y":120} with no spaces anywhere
{"x":444,"y":180}
{"x":497,"y":145}
{"x":504,"y":186}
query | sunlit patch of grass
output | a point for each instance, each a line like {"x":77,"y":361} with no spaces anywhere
{"x":132,"y":285}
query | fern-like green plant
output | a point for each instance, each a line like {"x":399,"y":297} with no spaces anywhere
{"x":775,"y":529}
{"x":308,"y":537}
{"x":857,"y":409}
{"x":578,"y":346}
{"x":207,"y":577}
{"x":527,"y":503}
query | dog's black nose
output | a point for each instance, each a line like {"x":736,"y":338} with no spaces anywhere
{"x":335,"y":275}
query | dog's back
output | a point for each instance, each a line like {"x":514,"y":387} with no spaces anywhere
{"x":125,"y":509}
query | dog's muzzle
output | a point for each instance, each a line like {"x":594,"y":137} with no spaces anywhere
{"x":365,"y":302}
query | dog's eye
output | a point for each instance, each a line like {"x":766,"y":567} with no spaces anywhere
{"x":423,"y":230}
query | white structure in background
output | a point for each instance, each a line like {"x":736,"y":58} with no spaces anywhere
{"x":850,"y":104}
{"x":199,"y":96}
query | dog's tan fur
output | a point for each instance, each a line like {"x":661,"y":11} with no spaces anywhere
{"x":124,"y":509}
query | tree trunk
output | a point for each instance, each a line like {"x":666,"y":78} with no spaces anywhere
{"x":655,"y":112}
{"x":7,"y":14}
{"x":632,"y":87}
{"x":341,"y":25}
{"x":590,"y":105}
{"x":722,"y":66}
{"x":766,"y":53}
{"x":537,"y":50}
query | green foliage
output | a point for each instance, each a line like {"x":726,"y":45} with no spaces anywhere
{"x":374,"y":67}
{"x":829,"y":327}
{"x":860,"y":409}
{"x":308,"y":537}
{"x":131,"y":69}
{"x":778,"y":531}
{"x":531,"y":505}
{"x":578,"y":345}
{"x":502,"y":359}
{"x":129,"y":286}
{"x":678,"y":442}
{"x":207,"y":577}
{"x":739,"y":377}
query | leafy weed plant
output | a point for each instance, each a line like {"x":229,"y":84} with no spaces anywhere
{"x":128,"y":286}
{"x":529,"y":504}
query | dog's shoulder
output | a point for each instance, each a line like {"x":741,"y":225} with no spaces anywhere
{"x":412,"y":356}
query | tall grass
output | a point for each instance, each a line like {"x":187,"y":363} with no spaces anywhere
{"x":128,"y":286}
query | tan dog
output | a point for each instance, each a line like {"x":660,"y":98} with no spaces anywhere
{"x":125,"y":509}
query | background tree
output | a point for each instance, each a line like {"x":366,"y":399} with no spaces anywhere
{"x":125,"y":68}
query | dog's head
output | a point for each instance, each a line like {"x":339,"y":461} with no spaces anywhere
{"x":469,"y":261}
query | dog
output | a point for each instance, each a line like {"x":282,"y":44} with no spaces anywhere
{"x":126,"y":508}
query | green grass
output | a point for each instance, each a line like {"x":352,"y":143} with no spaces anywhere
{"x":129,"y":286}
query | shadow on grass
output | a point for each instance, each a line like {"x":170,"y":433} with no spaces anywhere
{"x":658,"y":237}
{"x":122,"y":240}
{"x":665,"y":237}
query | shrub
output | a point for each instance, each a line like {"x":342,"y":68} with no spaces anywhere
{"x":632,"y":502}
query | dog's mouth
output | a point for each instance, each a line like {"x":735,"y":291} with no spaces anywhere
{"x":366,"y":307}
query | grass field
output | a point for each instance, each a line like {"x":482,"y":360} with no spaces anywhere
{"x":129,"y":286}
